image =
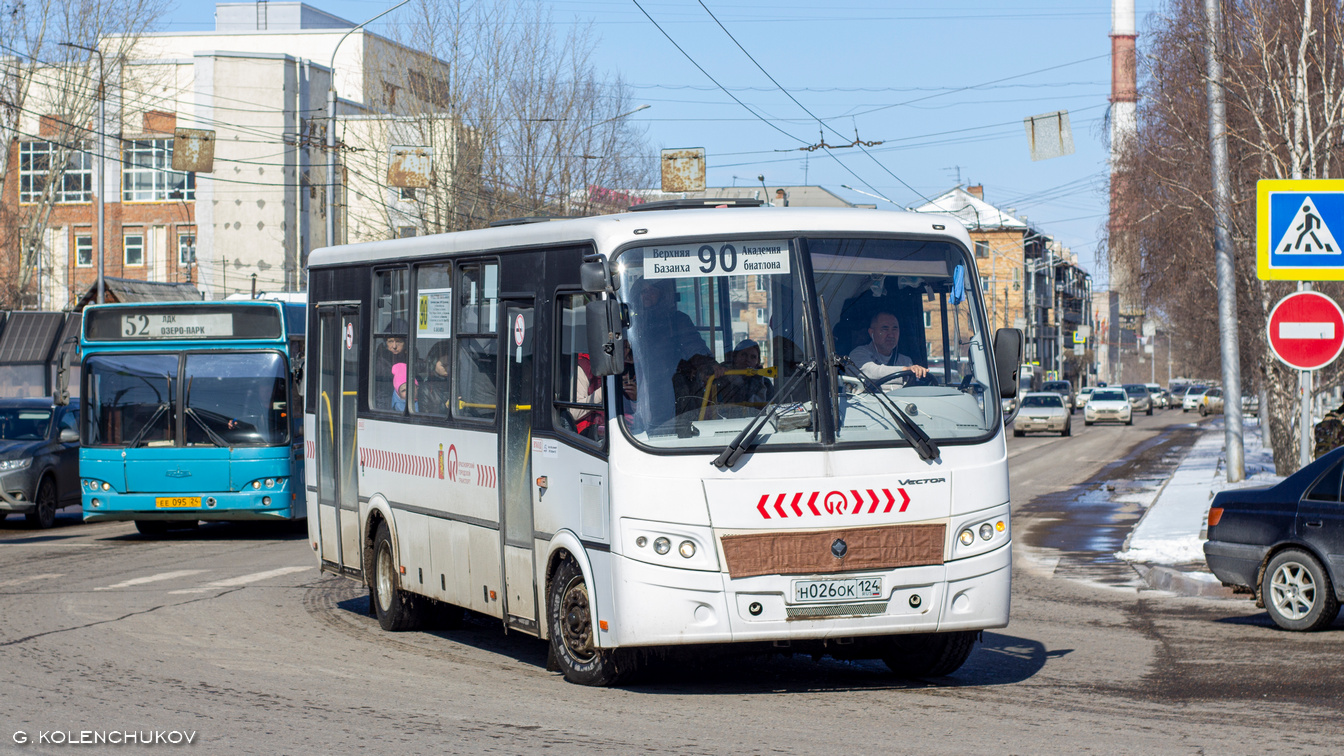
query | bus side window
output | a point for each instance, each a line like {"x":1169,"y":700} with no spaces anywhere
{"x":391,"y":310}
{"x":578,"y":405}
{"x":477,"y":310}
{"x":433,"y":356}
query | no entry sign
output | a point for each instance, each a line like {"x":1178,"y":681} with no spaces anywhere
{"x":1306,"y":330}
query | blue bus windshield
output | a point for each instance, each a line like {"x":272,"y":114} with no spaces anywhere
{"x":228,"y":399}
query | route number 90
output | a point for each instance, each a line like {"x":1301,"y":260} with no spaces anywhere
{"x":725,"y":259}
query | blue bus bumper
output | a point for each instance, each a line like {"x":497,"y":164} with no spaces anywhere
{"x":110,"y":505}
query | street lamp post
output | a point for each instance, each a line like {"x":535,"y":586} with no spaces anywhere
{"x":331,"y":125}
{"x":102,"y":127}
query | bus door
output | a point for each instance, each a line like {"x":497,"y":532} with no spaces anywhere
{"x":337,"y":442}
{"x":515,"y":464}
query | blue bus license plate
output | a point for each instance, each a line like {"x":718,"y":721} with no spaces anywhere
{"x":851,"y":589}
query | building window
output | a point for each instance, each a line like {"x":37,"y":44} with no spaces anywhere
{"x":984,"y":283}
{"x":35,"y":161}
{"x":762,"y":283}
{"x":405,"y":232}
{"x":928,"y":319}
{"x":133,"y":249}
{"x":408,"y":193}
{"x":84,"y":251}
{"x":760,"y":316}
{"x":147,"y":175}
{"x":982,"y":249}
{"x":186,"y":249}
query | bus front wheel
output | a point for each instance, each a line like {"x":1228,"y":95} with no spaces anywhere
{"x":928,"y":654}
{"x":396,"y":609}
{"x":569,"y":617}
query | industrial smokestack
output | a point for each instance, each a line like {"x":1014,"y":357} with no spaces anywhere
{"x":1124,"y":126}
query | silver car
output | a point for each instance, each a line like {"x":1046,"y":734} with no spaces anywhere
{"x":1139,"y":398}
{"x":1042,"y":411}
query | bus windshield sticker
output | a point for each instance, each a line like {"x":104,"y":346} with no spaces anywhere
{"x":177,"y":325}
{"x":436,"y":313}
{"x":725,"y":259}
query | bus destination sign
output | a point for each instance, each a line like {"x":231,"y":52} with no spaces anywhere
{"x":177,"y":325}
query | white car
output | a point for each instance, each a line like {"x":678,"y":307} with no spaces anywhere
{"x":1083,"y":393}
{"x":1108,"y":405}
{"x":1043,"y":411}
{"x":1190,"y":402}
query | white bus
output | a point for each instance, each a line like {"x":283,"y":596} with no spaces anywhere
{"x":645,"y":430}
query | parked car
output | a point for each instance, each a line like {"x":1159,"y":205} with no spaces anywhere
{"x":1139,"y":398}
{"x":1190,"y":401}
{"x":1283,"y":543}
{"x":1108,"y":405}
{"x":39,"y":458}
{"x":1043,"y":411}
{"x":1083,"y":394}
{"x":1211,"y":403}
{"x":1064,"y":389}
{"x":1250,"y":403}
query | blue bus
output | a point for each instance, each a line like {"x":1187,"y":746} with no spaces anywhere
{"x":190,"y":412}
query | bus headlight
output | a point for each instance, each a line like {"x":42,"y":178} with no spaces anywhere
{"x":270,"y":482}
{"x":967,"y":537}
{"x":686,"y":549}
{"x":662,"y":545}
{"x":986,"y":531}
{"x":256,"y":484}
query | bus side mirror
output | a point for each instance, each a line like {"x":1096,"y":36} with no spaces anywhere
{"x":595,"y":276}
{"x":606,"y":344}
{"x":61,"y":397}
{"x":1007,"y":360}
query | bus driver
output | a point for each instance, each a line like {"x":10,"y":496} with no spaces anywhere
{"x":878,"y":358}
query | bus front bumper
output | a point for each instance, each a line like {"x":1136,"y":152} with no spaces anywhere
{"x":668,"y":606}
{"x":250,"y":505}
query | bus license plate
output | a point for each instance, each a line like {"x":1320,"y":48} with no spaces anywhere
{"x":852,"y":589}
{"x":173,"y":502}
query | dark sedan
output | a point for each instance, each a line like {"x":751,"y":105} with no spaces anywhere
{"x":39,"y":458}
{"x":1285,"y":544}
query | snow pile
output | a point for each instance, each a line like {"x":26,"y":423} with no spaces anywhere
{"x":1172,"y":530}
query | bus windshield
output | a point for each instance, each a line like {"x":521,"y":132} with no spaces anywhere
{"x":235,"y":399}
{"x":718,"y":328}
{"x":228,"y":399}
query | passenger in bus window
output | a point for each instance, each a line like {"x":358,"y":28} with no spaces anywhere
{"x":399,"y":387}
{"x":743,"y":386}
{"x":433,"y":392}
{"x":392,"y":352}
{"x":879,"y":358}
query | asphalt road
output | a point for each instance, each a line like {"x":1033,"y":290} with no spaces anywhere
{"x":230,"y":633}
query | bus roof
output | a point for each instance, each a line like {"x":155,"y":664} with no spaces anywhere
{"x":193,"y":319}
{"x":608,"y":232}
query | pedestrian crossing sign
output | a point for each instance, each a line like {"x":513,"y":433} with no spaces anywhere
{"x":1296,"y":221}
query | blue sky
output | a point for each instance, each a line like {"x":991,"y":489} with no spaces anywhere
{"x":943,"y":85}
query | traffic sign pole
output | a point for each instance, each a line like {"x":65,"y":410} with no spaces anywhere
{"x":1304,"y":439}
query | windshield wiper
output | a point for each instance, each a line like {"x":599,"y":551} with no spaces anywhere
{"x":922,"y":442}
{"x":742,"y":442}
{"x":154,"y":418}
{"x":191,"y":413}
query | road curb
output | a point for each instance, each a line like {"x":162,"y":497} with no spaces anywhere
{"x":1163,"y":578}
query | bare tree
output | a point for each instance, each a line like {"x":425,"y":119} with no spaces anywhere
{"x":519,"y":120}
{"x":1283,"y":65}
{"x":50,"y":88}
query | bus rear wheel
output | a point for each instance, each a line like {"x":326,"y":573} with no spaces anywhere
{"x":569,"y":617}
{"x":396,"y":610}
{"x":929,"y":654}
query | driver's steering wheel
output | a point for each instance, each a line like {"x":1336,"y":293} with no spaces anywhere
{"x":910,"y":379}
